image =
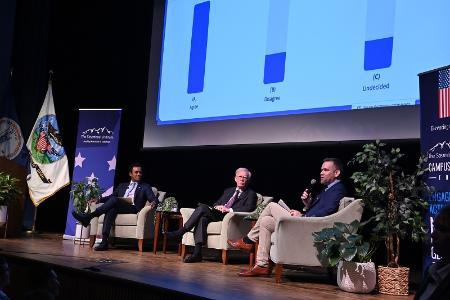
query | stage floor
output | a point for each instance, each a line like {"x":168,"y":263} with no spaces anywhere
{"x":209,"y":279}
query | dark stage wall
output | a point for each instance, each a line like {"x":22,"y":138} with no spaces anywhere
{"x":99,"y":52}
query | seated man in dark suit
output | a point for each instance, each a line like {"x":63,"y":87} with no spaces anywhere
{"x":127,"y":198}
{"x":436,"y":284}
{"x":326,"y":203}
{"x":239,"y":198}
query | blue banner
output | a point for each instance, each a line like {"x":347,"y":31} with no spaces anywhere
{"x":11,"y":138}
{"x":96,"y":152}
{"x":435,"y":145}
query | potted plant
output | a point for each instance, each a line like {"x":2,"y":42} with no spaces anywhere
{"x":395,"y":201}
{"x":9,"y":192}
{"x":343,"y":246}
{"x":82,"y":192}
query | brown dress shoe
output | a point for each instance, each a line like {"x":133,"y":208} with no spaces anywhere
{"x":256,"y":271}
{"x":240,"y":244}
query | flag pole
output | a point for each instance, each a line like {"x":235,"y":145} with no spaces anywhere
{"x":33,"y":229}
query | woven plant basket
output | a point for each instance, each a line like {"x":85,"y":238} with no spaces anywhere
{"x":393,"y":281}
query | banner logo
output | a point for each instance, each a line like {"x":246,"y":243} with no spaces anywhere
{"x":11,"y":139}
{"x":439,"y":161}
{"x":101,"y":135}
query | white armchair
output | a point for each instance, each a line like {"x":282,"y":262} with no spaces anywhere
{"x":292,"y":240}
{"x":233,"y":226}
{"x":136,"y":226}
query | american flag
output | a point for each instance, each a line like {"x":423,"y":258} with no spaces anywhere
{"x":42,"y":143}
{"x":444,"y":94}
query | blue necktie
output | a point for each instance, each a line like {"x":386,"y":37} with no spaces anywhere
{"x":130,"y":189}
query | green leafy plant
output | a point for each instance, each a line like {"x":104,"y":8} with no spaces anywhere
{"x":342,"y":242}
{"x":83,"y":191}
{"x":9,"y":190}
{"x":395,"y":200}
{"x":167,"y":205}
{"x":255,"y":215}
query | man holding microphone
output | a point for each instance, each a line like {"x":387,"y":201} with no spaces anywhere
{"x":326,"y":203}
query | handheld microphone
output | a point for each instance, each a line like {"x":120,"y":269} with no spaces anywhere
{"x":309,"y":190}
{"x":311,"y":185}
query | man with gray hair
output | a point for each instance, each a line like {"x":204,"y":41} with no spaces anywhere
{"x":239,"y":198}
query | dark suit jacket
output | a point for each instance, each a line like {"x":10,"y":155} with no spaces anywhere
{"x":441,"y":292}
{"x":327,"y":202}
{"x":142,"y":194}
{"x":245,"y":202}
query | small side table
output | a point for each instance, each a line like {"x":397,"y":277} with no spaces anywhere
{"x":165,"y":218}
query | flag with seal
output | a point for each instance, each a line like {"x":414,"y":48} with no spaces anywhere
{"x":49,"y":169}
{"x":11,"y":138}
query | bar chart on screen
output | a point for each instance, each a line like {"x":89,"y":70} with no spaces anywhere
{"x":233,"y":59}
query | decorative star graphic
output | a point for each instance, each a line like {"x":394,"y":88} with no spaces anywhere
{"x":112,"y":163}
{"x":79,"y":160}
{"x":108,"y":192}
{"x":91,"y":177}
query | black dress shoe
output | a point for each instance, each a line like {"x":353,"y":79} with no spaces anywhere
{"x":193,"y":259}
{"x":84,"y":219}
{"x":101,"y":247}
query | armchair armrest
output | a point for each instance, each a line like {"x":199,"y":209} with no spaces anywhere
{"x":143,"y":219}
{"x":242,"y":213}
{"x":234,"y":227}
{"x":186,"y":213}
{"x":292,"y":240}
{"x":94,"y":221}
{"x":296,"y":233}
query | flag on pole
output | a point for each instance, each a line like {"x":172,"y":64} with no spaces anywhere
{"x":444,"y":93}
{"x":49,"y":170}
{"x":11,"y":138}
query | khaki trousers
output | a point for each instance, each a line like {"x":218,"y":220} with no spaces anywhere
{"x":263,"y":229}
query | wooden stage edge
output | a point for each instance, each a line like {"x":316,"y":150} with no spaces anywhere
{"x":125,"y":273}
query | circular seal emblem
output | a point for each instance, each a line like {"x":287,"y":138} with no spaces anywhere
{"x":46,"y":144}
{"x":11,"y":139}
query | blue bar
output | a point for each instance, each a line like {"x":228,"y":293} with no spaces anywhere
{"x":199,"y":43}
{"x":274,"y":67}
{"x":379,"y":34}
{"x":277,"y":28}
{"x":378,"y":54}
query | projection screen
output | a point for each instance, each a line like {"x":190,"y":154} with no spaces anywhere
{"x":226,"y":72}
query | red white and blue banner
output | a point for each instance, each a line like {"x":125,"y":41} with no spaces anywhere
{"x":96,"y":153}
{"x":49,"y":170}
{"x":435,"y":144}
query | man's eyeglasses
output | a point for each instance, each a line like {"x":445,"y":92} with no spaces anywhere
{"x":242,"y":177}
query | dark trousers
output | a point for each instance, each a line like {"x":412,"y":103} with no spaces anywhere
{"x":111,"y":208}
{"x":200,"y":219}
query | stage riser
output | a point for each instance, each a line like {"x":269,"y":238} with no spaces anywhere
{"x":84,"y":284}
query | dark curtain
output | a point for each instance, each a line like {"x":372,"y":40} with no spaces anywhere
{"x":7,"y":14}
{"x":30,"y":68}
